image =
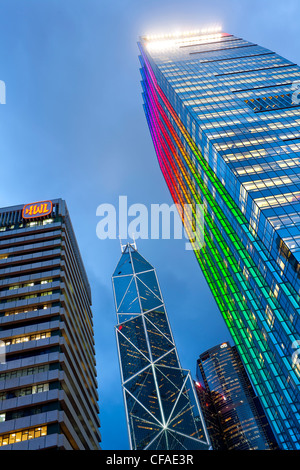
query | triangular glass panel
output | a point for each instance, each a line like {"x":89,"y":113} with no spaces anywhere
{"x":185,"y":418}
{"x":160,"y":443}
{"x":158,"y":317}
{"x":143,"y":429}
{"x":159,"y":344}
{"x":144,"y":432}
{"x":125,"y":317}
{"x":149,"y":278}
{"x":134,"y":362}
{"x":135,"y":332}
{"x":169,"y":382}
{"x":143,"y":388}
{"x":120,"y":287}
{"x":136,"y":409}
{"x":178,"y":441}
{"x":124,"y":266}
{"x":139,"y":263}
{"x":189,"y":391}
{"x":179,"y":413}
{"x":169,"y":360}
{"x":149,"y":301}
{"x":173,"y":442}
{"x":130,"y":303}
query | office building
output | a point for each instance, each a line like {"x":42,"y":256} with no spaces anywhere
{"x":224,"y":114}
{"x":210,"y":416}
{"x":48,"y":386}
{"x":234,"y":416}
{"x":162,"y":409}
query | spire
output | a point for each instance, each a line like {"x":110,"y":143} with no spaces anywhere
{"x":128,"y":245}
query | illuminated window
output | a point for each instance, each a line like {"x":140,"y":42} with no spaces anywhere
{"x":48,"y":221}
{"x":278,"y":200}
{"x":33,"y":390}
{"x":271,"y":102}
{"x":270,"y":316}
{"x":24,"y":435}
{"x":23,"y":339}
{"x":267,"y":183}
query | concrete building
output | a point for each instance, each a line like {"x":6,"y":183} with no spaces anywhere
{"x":48,"y":386}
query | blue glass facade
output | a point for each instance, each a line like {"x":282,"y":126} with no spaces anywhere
{"x":160,"y":401}
{"x":240,"y":423}
{"x":224,"y":118}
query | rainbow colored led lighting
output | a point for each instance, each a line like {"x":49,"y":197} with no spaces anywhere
{"x":228,"y":267}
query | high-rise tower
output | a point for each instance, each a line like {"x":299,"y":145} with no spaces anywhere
{"x":48,"y":387}
{"x":239,"y":419}
{"x":160,"y":401}
{"x":224,"y":117}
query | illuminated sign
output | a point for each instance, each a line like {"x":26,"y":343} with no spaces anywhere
{"x":37,"y":209}
{"x":223,"y":345}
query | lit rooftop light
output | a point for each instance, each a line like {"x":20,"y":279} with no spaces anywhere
{"x":178,"y":34}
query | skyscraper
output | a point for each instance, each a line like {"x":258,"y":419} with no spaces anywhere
{"x":224,"y":117}
{"x":162,"y":409}
{"x":48,"y":387}
{"x":239,"y":421}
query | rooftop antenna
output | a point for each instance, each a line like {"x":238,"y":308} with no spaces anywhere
{"x":134,"y":243}
{"x":123,"y":247}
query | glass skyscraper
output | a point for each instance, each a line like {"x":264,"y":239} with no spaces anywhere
{"x":48,"y":383}
{"x":224,"y":118}
{"x":233,"y":411}
{"x":161,"y":405}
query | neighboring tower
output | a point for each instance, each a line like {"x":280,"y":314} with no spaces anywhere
{"x":48,"y":387}
{"x":231,"y":402}
{"x":161,"y":405}
{"x":224,"y":118}
{"x":210,"y":416}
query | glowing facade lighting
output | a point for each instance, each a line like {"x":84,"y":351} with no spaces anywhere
{"x":178,"y":34}
{"x":169,"y":41}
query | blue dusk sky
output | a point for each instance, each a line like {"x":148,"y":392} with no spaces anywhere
{"x":73,"y":127}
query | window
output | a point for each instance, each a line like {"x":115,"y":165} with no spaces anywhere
{"x":32,"y":390}
{"x":22,"y":372}
{"x":23,"y":435}
{"x":46,"y":281}
{"x":271,"y":102}
{"x":23,"y":339}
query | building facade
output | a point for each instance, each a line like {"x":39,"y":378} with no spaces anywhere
{"x":161,"y":406}
{"x":48,"y":387}
{"x":230,"y":407}
{"x":224,"y":117}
